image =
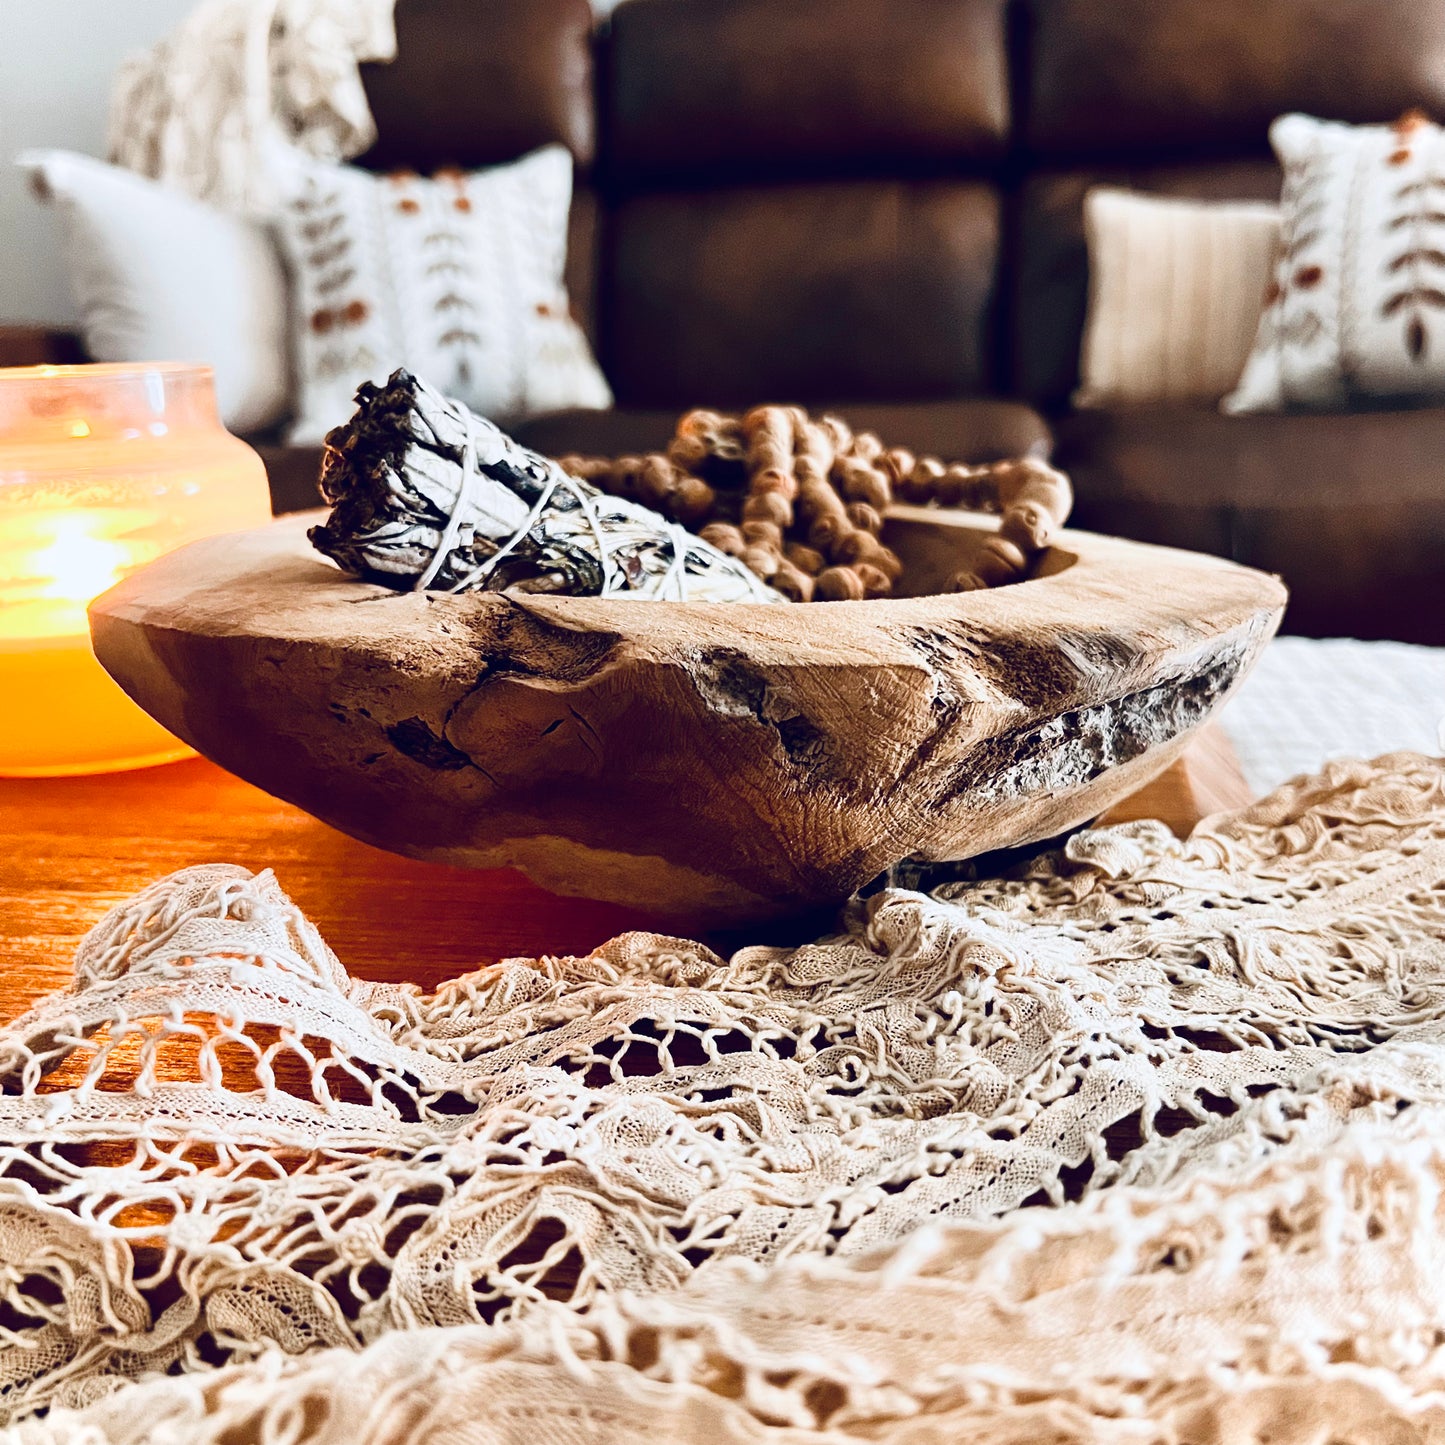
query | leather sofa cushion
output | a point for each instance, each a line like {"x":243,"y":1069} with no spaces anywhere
{"x":477,"y":82}
{"x":973,"y":430}
{"x":878,"y":290}
{"x":293,"y":473}
{"x":1348,"y":508}
{"x":1151,"y":77}
{"x":811,"y":86}
{"x":37,"y":344}
{"x":1050,"y":279}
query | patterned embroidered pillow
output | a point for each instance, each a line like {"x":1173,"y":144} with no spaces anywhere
{"x":458,"y":278}
{"x":1357,"y":308}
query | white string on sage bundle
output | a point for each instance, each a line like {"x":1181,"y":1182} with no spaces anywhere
{"x":426,"y":495}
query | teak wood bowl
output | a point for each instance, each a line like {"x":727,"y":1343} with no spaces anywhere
{"x":725,"y":763}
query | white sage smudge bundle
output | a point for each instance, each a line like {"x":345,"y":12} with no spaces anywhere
{"x":426,"y":495}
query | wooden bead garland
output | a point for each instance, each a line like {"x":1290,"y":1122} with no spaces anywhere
{"x":802,"y":502}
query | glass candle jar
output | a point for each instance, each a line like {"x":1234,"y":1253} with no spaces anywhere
{"x":102,"y":469}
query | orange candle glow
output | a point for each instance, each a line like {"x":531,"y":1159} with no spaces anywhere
{"x":102,"y":469}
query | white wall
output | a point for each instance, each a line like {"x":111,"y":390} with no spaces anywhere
{"x":56,"y":62}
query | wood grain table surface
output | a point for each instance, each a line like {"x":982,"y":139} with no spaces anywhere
{"x":70,"y":848}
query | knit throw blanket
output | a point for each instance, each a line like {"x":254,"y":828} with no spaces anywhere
{"x":217,"y":107}
{"x":1145,"y":1143}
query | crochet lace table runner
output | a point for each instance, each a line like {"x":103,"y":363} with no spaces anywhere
{"x":1144,"y":1144}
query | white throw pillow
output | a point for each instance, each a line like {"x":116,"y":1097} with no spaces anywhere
{"x":1358,"y":303}
{"x":457,"y":278}
{"x":1176,"y":288}
{"x":158,"y":276}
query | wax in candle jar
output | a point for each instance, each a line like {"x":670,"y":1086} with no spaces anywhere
{"x":64,"y":714}
{"x":102,"y":469}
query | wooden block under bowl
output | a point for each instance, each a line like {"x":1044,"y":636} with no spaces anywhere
{"x":721,"y":762}
{"x":1207,"y":778}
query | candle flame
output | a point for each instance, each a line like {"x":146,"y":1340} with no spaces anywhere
{"x":78,"y":566}
{"x":54,"y":563}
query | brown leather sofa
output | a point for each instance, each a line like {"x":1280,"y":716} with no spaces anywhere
{"x":875,"y":205}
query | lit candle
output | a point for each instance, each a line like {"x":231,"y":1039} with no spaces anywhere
{"x":102,"y":469}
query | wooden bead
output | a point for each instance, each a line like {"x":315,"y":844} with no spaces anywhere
{"x":687,"y":453}
{"x":700,"y":423}
{"x":774,"y":479}
{"x":1035,"y":500}
{"x":860,"y":482}
{"x":769,"y":434}
{"x":693,"y":501}
{"x":703,"y":438}
{"x":808,"y":471}
{"x":761,"y":561}
{"x":862,"y":546}
{"x":914,"y":487}
{"x":816,"y":450}
{"x":876,"y":582}
{"x":587,"y":468}
{"x":725,"y":537}
{"x":769,"y":456}
{"x":998,"y":562}
{"x":656,"y":481}
{"x":792,"y":581}
{"x":805,"y":558}
{"x":924,"y":478}
{"x":763,"y":534}
{"x":838,"y":432}
{"x":626,"y":473}
{"x":768,"y":507}
{"x":827,"y":531}
{"x":897,"y":465}
{"x":838,"y":584}
{"x":967,"y":487}
{"x":961,"y":486}
{"x":865,"y":518}
{"x":821,"y":510}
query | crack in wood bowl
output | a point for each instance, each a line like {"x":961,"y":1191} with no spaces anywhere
{"x":727,"y":763}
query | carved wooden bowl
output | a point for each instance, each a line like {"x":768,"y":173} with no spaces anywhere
{"x":720,"y":762}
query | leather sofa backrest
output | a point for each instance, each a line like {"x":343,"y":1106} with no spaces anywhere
{"x":872,"y":200}
{"x":1172,"y":79}
{"x":803,"y":202}
{"x":478,"y":82}
{"x":793,"y":200}
{"x":753,"y":89}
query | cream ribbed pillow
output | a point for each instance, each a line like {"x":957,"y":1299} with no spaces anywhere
{"x":1176,"y":289}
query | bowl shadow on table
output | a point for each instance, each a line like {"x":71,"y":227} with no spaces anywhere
{"x":371,"y":934}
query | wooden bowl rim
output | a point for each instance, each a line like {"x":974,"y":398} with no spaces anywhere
{"x":1068,"y":582}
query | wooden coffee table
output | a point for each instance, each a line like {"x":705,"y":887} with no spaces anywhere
{"x":70,"y":848}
